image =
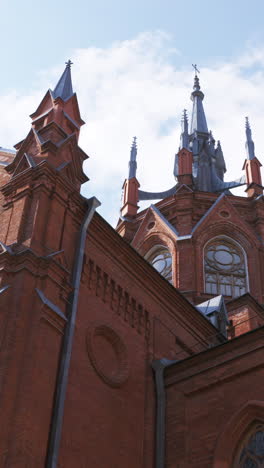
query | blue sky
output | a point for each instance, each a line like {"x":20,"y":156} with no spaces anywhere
{"x":133,"y":75}
{"x":38,"y":35}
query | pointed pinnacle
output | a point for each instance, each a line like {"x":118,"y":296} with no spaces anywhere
{"x":211,"y":137}
{"x":196,"y":85}
{"x":184,"y":116}
{"x":63,"y":88}
{"x":132,"y":162}
{"x":195,"y":69}
{"x":247,"y":123}
{"x":248,"y":130}
{"x":134,"y":142}
{"x":250,"y":147}
{"x":69,"y":63}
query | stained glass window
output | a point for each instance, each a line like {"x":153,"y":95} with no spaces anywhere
{"x":225,"y":268}
{"x":161,"y":260}
{"x":252,"y":453}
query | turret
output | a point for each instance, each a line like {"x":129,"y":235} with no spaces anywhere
{"x":131,"y":186}
{"x":184,"y":134}
{"x":184,"y":159}
{"x":54,"y":134}
{"x":198,"y":122}
{"x":48,"y":158}
{"x":252,"y":166}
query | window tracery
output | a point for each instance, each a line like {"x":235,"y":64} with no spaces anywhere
{"x":225,"y":268}
{"x":161,"y":260}
{"x":252,"y":453}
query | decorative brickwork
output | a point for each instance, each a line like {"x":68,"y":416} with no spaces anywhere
{"x":117,"y":297}
{"x":86,"y":315}
{"x":108,"y":354}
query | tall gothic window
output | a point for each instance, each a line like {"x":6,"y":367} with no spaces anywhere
{"x":225,"y":268}
{"x":160,"y":258}
{"x":252,"y":453}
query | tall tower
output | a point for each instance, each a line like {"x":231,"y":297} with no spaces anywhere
{"x":42,"y":213}
{"x":204,"y":240}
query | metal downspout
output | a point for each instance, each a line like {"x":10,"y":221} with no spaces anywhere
{"x":158,"y":366}
{"x":65,"y":358}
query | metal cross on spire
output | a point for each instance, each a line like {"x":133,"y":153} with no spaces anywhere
{"x":195,"y":69}
{"x":69,"y":63}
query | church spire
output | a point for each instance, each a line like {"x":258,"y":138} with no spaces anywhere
{"x":250,"y":147}
{"x":131,"y":185}
{"x":55,"y":126}
{"x":184,"y":134}
{"x":63,"y":88}
{"x":252,"y":166}
{"x":132,"y":162}
{"x":198,"y":122}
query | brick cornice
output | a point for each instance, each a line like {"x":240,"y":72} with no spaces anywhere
{"x":155,"y":285}
{"x":207,"y":360}
{"x":38,"y":266}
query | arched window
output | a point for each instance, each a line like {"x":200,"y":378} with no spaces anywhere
{"x":225,"y":268}
{"x":160,"y":258}
{"x":252,"y":453}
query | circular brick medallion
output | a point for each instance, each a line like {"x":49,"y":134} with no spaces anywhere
{"x":151,"y":225}
{"x":224,"y":214}
{"x":108,"y":355}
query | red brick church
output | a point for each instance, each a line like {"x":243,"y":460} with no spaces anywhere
{"x":140,"y":347}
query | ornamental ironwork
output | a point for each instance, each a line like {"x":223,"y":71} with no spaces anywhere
{"x":225,"y":268}
{"x":161,"y":260}
{"x":252,"y":454}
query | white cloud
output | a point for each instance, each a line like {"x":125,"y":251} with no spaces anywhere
{"x":133,"y":88}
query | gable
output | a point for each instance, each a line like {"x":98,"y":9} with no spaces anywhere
{"x":45,"y":105}
{"x":223,"y":218}
{"x":154,"y":225}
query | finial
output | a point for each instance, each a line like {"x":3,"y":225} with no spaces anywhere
{"x":195,"y":69}
{"x":132,"y":162}
{"x":184,"y":121}
{"x":134,"y":143}
{"x":248,"y":129}
{"x":63,"y":88}
{"x":250,"y":147}
{"x":184,"y":116}
{"x":198,"y":121}
{"x":211,"y":140}
{"x":196,"y":85}
{"x":211,"y":137}
{"x":69,"y":63}
{"x":184,"y":135}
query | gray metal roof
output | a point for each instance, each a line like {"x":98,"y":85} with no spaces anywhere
{"x":63,"y":88}
{"x":209,"y":166}
{"x":250,"y":147}
{"x":215,"y":310}
{"x":6,"y":150}
{"x":198,"y":122}
{"x":132,"y":162}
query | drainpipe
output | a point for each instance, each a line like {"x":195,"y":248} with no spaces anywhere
{"x":65,"y":358}
{"x":158,"y":366}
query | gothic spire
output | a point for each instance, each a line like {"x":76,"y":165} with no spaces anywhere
{"x":211,"y":141}
{"x":132,"y":162}
{"x":63,"y":88}
{"x":198,"y":122}
{"x":184,"y":134}
{"x":250,"y":147}
{"x":219,"y":161}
